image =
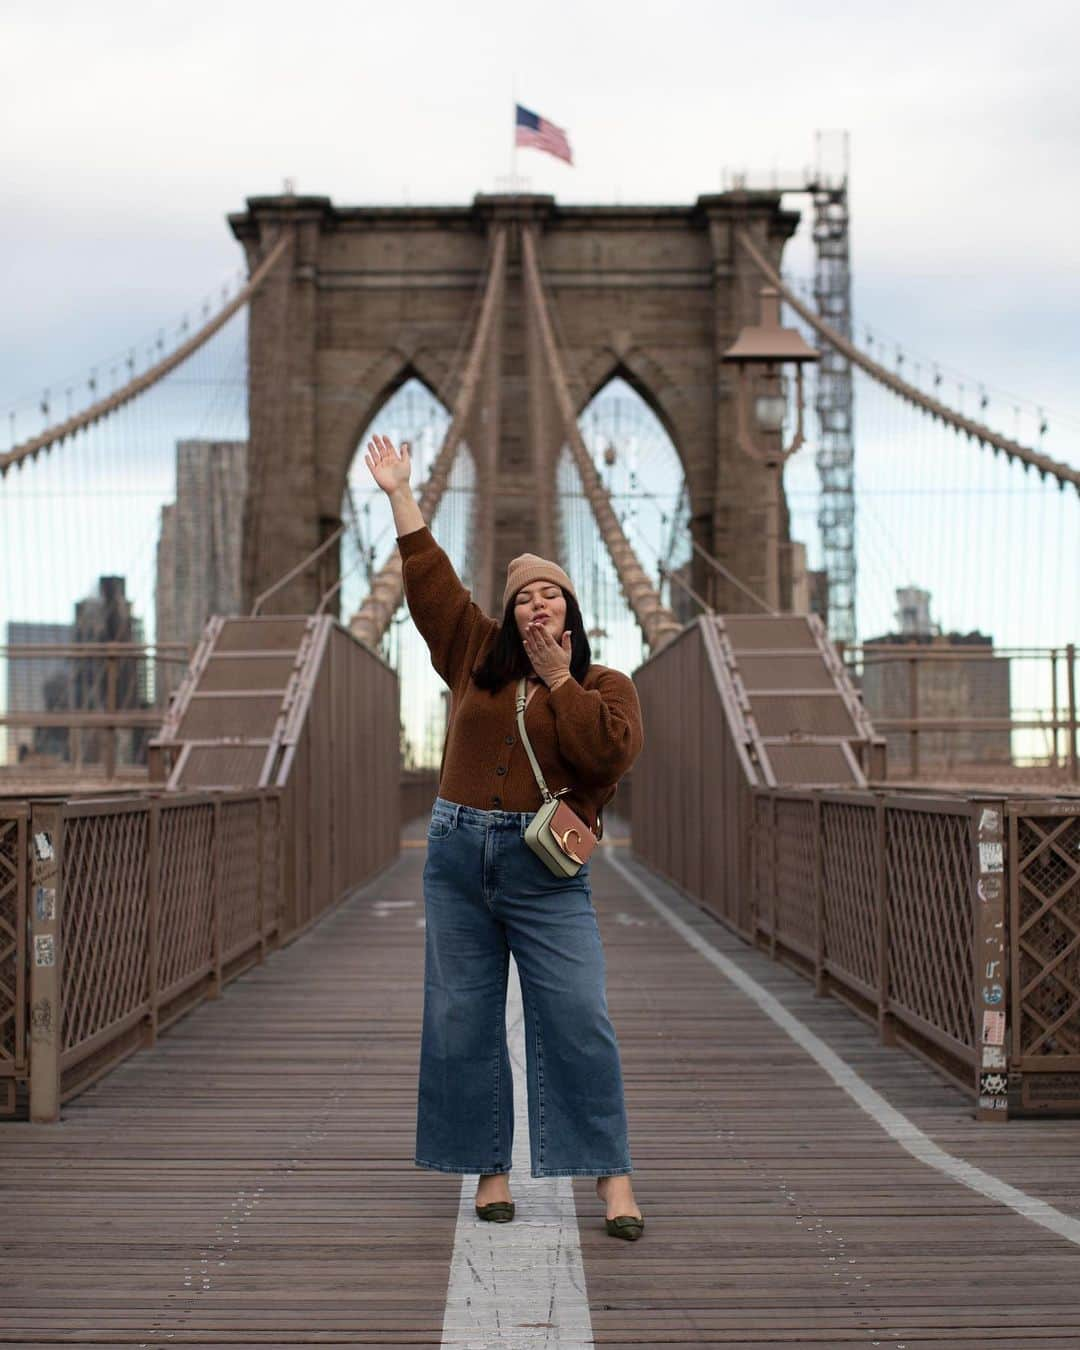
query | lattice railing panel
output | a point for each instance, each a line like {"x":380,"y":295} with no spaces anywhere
{"x":155,"y":898}
{"x":850,"y":901}
{"x":928,"y":871}
{"x":271,"y":864}
{"x":238,"y":855}
{"x":185,"y":890}
{"x":104,"y":947}
{"x":795,"y":881}
{"x":12,"y":940}
{"x":762,"y":845}
{"x":1047,"y":937}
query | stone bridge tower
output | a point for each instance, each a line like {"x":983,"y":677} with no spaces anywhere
{"x":372,"y":296}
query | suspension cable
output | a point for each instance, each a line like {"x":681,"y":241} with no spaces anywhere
{"x":384,"y":595}
{"x":657,"y":621}
{"x":1058,"y":470}
{"x":103,"y":407}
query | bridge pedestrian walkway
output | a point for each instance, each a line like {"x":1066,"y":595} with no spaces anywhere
{"x":250,"y":1180}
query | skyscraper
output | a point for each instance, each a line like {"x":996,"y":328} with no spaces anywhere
{"x":28,"y":677}
{"x":198,"y":556}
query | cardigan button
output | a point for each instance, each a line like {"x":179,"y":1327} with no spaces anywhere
{"x":509,"y":740}
{"x":501,"y":768}
{"x":496,"y":801}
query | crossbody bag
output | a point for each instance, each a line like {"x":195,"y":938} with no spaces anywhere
{"x":556,"y":833}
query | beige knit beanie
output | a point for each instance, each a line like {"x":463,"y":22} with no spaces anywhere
{"x":528,"y":567}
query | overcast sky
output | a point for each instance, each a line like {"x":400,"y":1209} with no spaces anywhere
{"x":132,"y":129}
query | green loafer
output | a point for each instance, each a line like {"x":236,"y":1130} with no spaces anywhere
{"x":627,"y":1226}
{"x":498,"y":1211}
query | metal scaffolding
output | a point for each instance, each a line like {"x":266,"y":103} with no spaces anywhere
{"x":827,"y":186}
{"x":835,"y":399}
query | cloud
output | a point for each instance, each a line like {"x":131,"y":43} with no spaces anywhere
{"x":139,"y":126}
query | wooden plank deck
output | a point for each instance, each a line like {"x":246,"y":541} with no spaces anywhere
{"x":250,"y":1181}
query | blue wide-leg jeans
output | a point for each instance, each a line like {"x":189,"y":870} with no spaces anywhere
{"x":486,"y":894}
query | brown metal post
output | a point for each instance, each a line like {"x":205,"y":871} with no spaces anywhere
{"x":279,"y":867}
{"x":886,"y":1021}
{"x":819,"y":901}
{"x":155,"y":764}
{"x":46,"y":969}
{"x":773,"y":873}
{"x":153,"y":912}
{"x":217,"y":888}
{"x":17,"y":816}
{"x":913,"y":713}
{"x":1070,"y":676}
{"x":1054,"y":711}
{"x":1012,"y":1039}
{"x":260,"y":876}
{"x":754,"y":861}
{"x":989,"y":983}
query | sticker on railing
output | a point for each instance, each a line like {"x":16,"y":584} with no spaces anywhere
{"x":990,"y":821}
{"x":43,"y":846}
{"x":993,"y":1084}
{"x":993,"y":1032}
{"x":44,"y":950}
{"x":41,"y":1016}
{"x":993,"y":1057}
{"x":991,"y":857}
{"x":993,"y":1103}
{"x":993,"y":993}
{"x":45,"y":903}
{"x":989,"y":888}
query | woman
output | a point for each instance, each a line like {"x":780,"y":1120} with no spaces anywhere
{"x":486,"y":893}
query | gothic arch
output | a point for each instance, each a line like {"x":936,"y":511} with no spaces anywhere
{"x":380,"y":294}
{"x":645,"y":376}
{"x":377,"y":386}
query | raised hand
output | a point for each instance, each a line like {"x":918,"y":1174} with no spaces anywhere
{"x":389,"y":469}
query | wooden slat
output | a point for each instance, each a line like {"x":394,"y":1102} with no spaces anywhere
{"x":777,"y":1212}
{"x":250,"y":1179}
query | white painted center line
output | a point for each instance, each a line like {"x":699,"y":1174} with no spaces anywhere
{"x":520,"y":1285}
{"x":893,"y":1122}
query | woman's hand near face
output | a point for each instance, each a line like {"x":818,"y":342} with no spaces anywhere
{"x":550,"y":659}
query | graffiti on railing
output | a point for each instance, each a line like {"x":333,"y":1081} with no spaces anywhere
{"x":953,"y":921}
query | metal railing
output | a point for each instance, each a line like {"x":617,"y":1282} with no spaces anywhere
{"x":894,"y":903}
{"x":124,"y":911}
{"x":139,"y":908}
{"x":949,"y":917}
{"x":1043,"y":852}
{"x":871,"y":895}
{"x":14,"y":886}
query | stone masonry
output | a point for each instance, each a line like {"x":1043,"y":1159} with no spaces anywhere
{"x":371,"y":296}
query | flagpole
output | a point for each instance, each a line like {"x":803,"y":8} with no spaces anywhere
{"x":513,"y":134}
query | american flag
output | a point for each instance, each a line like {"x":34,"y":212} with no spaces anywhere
{"x":531,"y":129}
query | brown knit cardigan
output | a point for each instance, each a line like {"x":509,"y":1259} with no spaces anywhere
{"x":585,"y":734}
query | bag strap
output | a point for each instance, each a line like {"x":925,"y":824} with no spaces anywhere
{"x":545,"y":792}
{"x":547,"y":795}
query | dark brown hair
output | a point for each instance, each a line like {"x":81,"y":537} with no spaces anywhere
{"x":507,"y":659}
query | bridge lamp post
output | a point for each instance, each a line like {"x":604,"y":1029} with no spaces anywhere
{"x":760,"y":353}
